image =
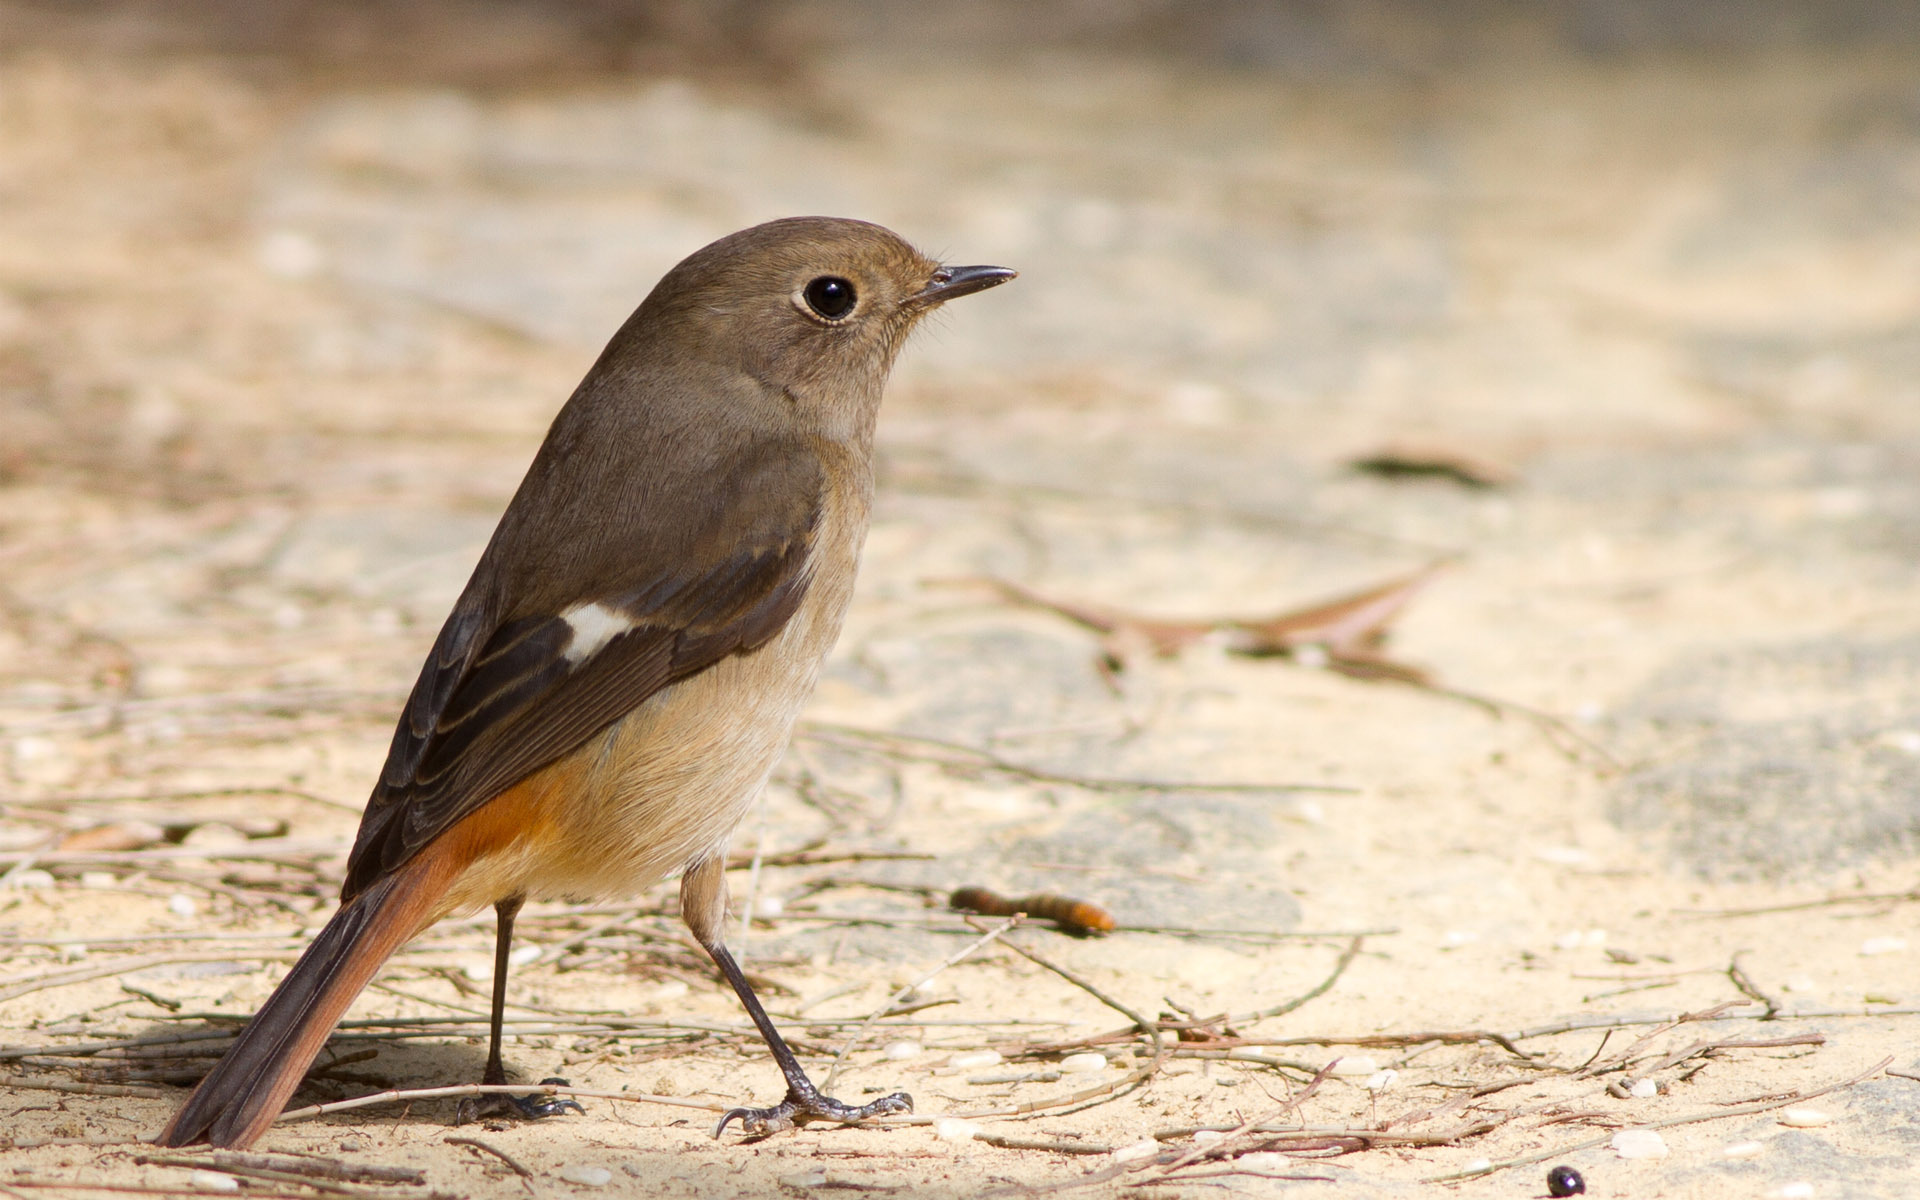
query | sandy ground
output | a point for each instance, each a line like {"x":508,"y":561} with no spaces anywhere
{"x":279,"y":331}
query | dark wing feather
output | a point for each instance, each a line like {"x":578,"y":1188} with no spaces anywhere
{"x":498,"y":698}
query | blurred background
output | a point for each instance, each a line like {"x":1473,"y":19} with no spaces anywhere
{"x":1620,"y":299}
{"x":288,"y":292}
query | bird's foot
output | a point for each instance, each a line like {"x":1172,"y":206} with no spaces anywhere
{"x":806,"y":1104}
{"x":531,"y":1107}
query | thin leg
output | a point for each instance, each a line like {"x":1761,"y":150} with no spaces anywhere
{"x":703,"y":903}
{"x":504,"y":912}
{"x":530,"y":1107}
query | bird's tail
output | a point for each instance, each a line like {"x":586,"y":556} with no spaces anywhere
{"x":246,"y":1090}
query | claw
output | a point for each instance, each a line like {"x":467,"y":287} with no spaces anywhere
{"x":800,"y":1107}
{"x":531,"y":1107}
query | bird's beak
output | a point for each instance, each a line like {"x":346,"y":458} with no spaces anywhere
{"x":949,"y":282}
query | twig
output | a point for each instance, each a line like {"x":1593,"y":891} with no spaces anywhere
{"x":498,"y":1153}
{"x":303,"y":1164}
{"x":408,"y":1095}
{"x":980,"y":943}
{"x":954,"y":756}
{"x":1750,"y":989}
{"x":1737,"y":1110}
{"x":1339,"y":968}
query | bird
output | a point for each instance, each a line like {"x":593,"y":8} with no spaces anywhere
{"x":624,"y":667}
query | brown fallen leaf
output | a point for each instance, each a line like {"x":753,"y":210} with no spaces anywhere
{"x":1344,"y":634}
{"x":118,"y":835}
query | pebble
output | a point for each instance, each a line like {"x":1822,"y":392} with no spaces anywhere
{"x":1795,"y":1191}
{"x":805,"y":1179}
{"x":1882,"y":945}
{"x":1805,"y":1118}
{"x":32,"y":877}
{"x":901,"y":1050}
{"x":1380,"y":1081}
{"x":181,"y":905}
{"x":522,"y":955}
{"x":1639,"y":1143}
{"x":1083,"y":1064}
{"x":973,"y":1060}
{"x":1208,"y":1137}
{"x":767,"y":907}
{"x":98,"y":880}
{"x":1475,"y":1164}
{"x":1644,"y":1089}
{"x":213,"y":1181}
{"x":1741,"y":1150}
{"x":1135,"y":1151}
{"x":73,"y":952}
{"x":213,"y":835}
{"x":1355,"y":1064}
{"x":953,"y":1129}
{"x":586,"y":1176}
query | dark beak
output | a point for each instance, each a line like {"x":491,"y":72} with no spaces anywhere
{"x":949,"y":282}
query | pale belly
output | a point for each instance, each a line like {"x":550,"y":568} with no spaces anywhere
{"x":665,"y":786}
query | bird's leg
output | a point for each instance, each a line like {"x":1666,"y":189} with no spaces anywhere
{"x":530,"y":1107}
{"x":703,"y":904}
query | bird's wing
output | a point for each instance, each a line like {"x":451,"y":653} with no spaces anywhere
{"x":512,"y":685}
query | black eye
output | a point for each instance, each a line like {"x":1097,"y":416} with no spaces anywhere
{"x":830,"y":296}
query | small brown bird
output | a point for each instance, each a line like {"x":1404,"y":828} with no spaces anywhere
{"x":624,"y":667}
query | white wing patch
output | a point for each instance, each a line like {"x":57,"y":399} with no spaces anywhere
{"x":593,"y":625}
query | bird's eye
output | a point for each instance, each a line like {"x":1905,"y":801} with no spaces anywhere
{"x":830,"y":296}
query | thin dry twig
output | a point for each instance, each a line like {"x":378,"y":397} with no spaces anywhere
{"x":502,"y":1155}
{"x":1735,"y":1110}
{"x":986,"y":939}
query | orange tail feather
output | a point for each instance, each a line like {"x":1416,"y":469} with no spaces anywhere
{"x":246,"y":1090}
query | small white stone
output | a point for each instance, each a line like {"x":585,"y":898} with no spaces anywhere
{"x":98,"y":880}
{"x":289,"y":254}
{"x":1907,"y":741}
{"x":672,"y":989}
{"x":1355,"y":1065}
{"x":1639,"y":1143}
{"x":1882,"y":945}
{"x":213,"y":1181}
{"x":213,"y":835}
{"x":1644,"y":1089}
{"x":804,"y":1179}
{"x":523,"y":955}
{"x":1380,"y":1081}
{"x":1083,"y":1064}
{"x":1596,"y":938}
{"x":73,"y":952}
{"x":1208,"y":1137}
{"x":586,"y":1176}
{"x":1795,"y":1191}
{"x":953,"y":1129}
{"x":973,"y":1060}
{"x":767,"y":906}
{"x":478,"y":969}
{"x":1135,"y":1151}
{"x":1311,"y":655}
{"x":1476,"y":1164}
{"x":1562,"y":856}
{"x":898,"y":1051}
{"x":31,"y":879}
{"x":1457,"y":937}
{"x":1805,"y":1118}
{"x":181,"y":905}
{"x":1741,"y":1150}
{"x":1311,"y":811}
{"x":1569,"y":940}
